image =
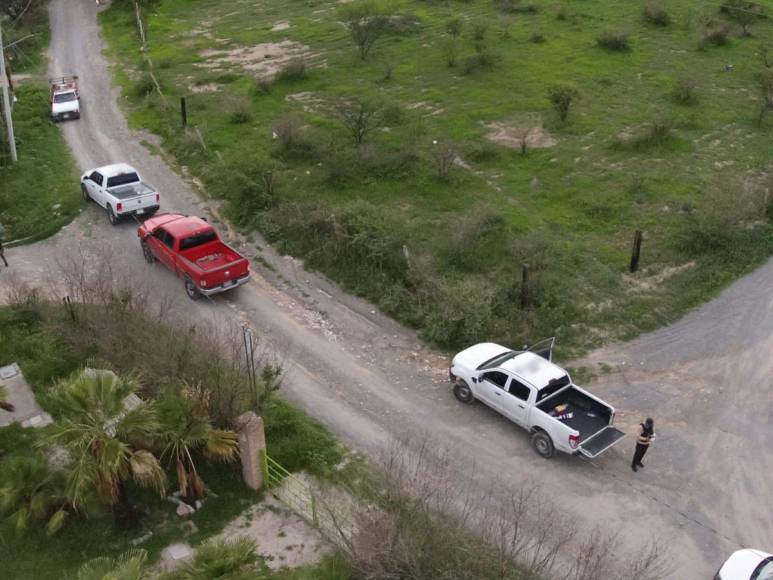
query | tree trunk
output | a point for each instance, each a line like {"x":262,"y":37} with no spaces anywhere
{"x":124,"y":514}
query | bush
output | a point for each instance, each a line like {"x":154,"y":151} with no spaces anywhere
{"x":655,"y":13}
{"x":484,"y":59}
{"x":615,"y":40}
{"x":295,"y":70}
{"x":516,"y":7}
{"x":144,"y":85}
{"x":537,"y":38}
{"x":715,"y":33}
{"x":263,"y":85}
{"x":684,"y":91}
{"x":562,"y":95}
{"x":743,"y":12}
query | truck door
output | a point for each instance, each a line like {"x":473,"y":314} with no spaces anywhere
{"x":491,"y":388}
{"x":161,"y":244}
{"x":515,"y":402}
{"x":543,"y":348}
{"x":94,"y":185}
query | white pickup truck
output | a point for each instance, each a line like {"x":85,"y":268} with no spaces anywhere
{"x":65,"y":100}
{"x":119,"y":189}
{"x":531,"y":391}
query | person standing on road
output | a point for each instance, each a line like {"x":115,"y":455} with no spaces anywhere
{"x":645,"y":436}
{"x":2,"y":251}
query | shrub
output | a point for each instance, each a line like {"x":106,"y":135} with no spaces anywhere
{"x":483,"y":59}
{"x":562,"y":13}
{"x":295,"y":70}
{"x":367,"y":21}
{"x":684,"y":91}
{"x":616,"y":40}
{"x":287,"y":130}
{"x":144,"y":86}
{"x":516,"y":7}
{"x":444,"y":155}
{"x":537,"y":38}
{"x":655,"y":13}
{"x":263,"y":85}
{"x":715,"y":33}
{"x":479,"y":31}
{"x":562,"y":95}
{"x":743,"y":12}
{"x":359,"y":117}
{"x":466,"y":237}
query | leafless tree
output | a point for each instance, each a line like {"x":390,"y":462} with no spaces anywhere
{"x":359,"y":116}
{"x":366,"y":20}
{"x":445,"y":156}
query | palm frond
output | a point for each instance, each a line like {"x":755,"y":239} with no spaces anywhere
{"x":221,"y":444}
{"x":146,"y":470}
{"x":56,"y":521}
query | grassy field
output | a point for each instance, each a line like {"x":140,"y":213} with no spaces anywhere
{"x":30,"y":336}
{"x":433,"y":215}
{"x":37,"y":195}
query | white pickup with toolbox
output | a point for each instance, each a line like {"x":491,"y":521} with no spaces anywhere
{"x":533,"y":392}
{"x":119,"y":189}
{"x":65,"y":99}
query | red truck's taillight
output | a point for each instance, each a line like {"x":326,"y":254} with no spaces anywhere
{"x":119,"y":206}
{"x":574,"y":441}
{"x":158,"y":198}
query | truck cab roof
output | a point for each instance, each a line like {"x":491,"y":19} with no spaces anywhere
{"x":114,"y":169}
{"x":534,"y":369}
{"x":178,"y":225}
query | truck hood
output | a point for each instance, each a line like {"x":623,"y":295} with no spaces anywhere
{"x":66,"y":107}
{"x":741,"y":564}
{"x":471,"y":358}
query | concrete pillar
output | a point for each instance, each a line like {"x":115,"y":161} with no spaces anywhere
{"x":252,"y":442}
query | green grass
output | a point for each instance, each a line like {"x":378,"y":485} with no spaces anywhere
{"x":569,"y":210}
{"x":39,"y":194}
{"x":29,"y":337}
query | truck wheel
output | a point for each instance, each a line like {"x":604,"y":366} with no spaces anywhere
{"x":149,"y":257}
{"x":463,"y":392}
{"x":191,"y":290}
{"x":112,"y":218}
{"x":85,"y":193}
{"x":543,"y":445}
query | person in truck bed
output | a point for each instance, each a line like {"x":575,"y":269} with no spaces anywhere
{"x":645,"y":436}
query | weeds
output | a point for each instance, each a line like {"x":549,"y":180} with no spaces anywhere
{"x":613,"y":40}
{"x":685,"y":90}
{"x":655,"y":12}
{"x":293,"y":71}
{"x":561,"y":96}
{"x":715,"y":33}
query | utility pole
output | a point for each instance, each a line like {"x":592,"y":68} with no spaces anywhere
{"x":6,"y":101}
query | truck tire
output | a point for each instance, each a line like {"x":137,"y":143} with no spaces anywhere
{"x":463,"y":392}
{"x":147,"y":253}
{"x":191,"y":290}
{"x":85,"y":192}
{"x":111,"y":217}
{"x":542,"y":444}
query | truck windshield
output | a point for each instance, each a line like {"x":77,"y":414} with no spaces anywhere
{"x":497,"y":360}
{"x":64,"y":97}
{"x":122,"y":179}
{"x":553,"y":387}
{"x":198,"y":239}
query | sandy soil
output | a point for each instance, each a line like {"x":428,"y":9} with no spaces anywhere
{"x":706,"y":379}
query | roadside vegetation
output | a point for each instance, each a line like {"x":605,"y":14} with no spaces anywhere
{"x":421,"y":153}
{"x":180,"y":439}
{"x":37,"y":194}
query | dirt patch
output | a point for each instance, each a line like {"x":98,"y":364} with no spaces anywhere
{"x":425,"y":108}
{"x":654,"y":282}
{"x":511,"y":136}
{"x":19,"y":78}
{"x":279,"y":26}
{"x":265,"y":60}
{"x":282,"y":537}
{"x":309,"y":102}
{"x":208,"y":88}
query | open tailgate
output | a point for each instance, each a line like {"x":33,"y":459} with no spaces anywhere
{"x":600,"y":442}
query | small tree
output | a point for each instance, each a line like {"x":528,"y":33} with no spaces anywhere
{"x":366,"y":20}
{"x":360,"y":117}
{"x":742,"y":12}
{"x":562,"y":95}
{"x":445,"y":157}
{"x":454,"y":29}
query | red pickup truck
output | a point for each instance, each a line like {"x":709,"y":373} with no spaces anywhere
{"x":191,"y":248}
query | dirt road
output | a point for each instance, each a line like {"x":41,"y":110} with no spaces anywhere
{"x":706,"y":380}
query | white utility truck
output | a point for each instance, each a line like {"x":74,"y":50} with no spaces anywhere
{"x":119,"y":189}
{"x":65,"y":100}
{"x":533,"y":392}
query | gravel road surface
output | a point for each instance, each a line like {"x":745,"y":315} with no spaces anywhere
{"x":708,"y":485}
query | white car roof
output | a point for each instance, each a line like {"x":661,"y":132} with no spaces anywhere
{"x":115,"y":169}
{"x":534,"y":369}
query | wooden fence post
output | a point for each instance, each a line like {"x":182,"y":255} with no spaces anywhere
{"x":525,"y":297}
{"x":636,"y":250}
{"x":183,"y":112}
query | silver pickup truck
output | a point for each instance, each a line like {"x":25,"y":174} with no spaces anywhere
{"x":120,"y":190}
{"x":533,"y":392}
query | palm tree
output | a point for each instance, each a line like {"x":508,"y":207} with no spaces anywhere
{"x":224,"y":559}
{"x":128,"y":566}
{"x":186,"y":428}
{"x":29,"y":490}
{"x":103,"y":424}
{"x":4,"y":404}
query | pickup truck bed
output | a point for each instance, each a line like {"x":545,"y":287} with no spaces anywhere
{"x":204,"y":257}
{"x":588,"y":416}
{"x":132,"y":190}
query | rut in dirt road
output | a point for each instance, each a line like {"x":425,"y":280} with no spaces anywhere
{"x":704,"y":379}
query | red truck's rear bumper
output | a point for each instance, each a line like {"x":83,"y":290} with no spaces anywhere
{"x":227,"y":286}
